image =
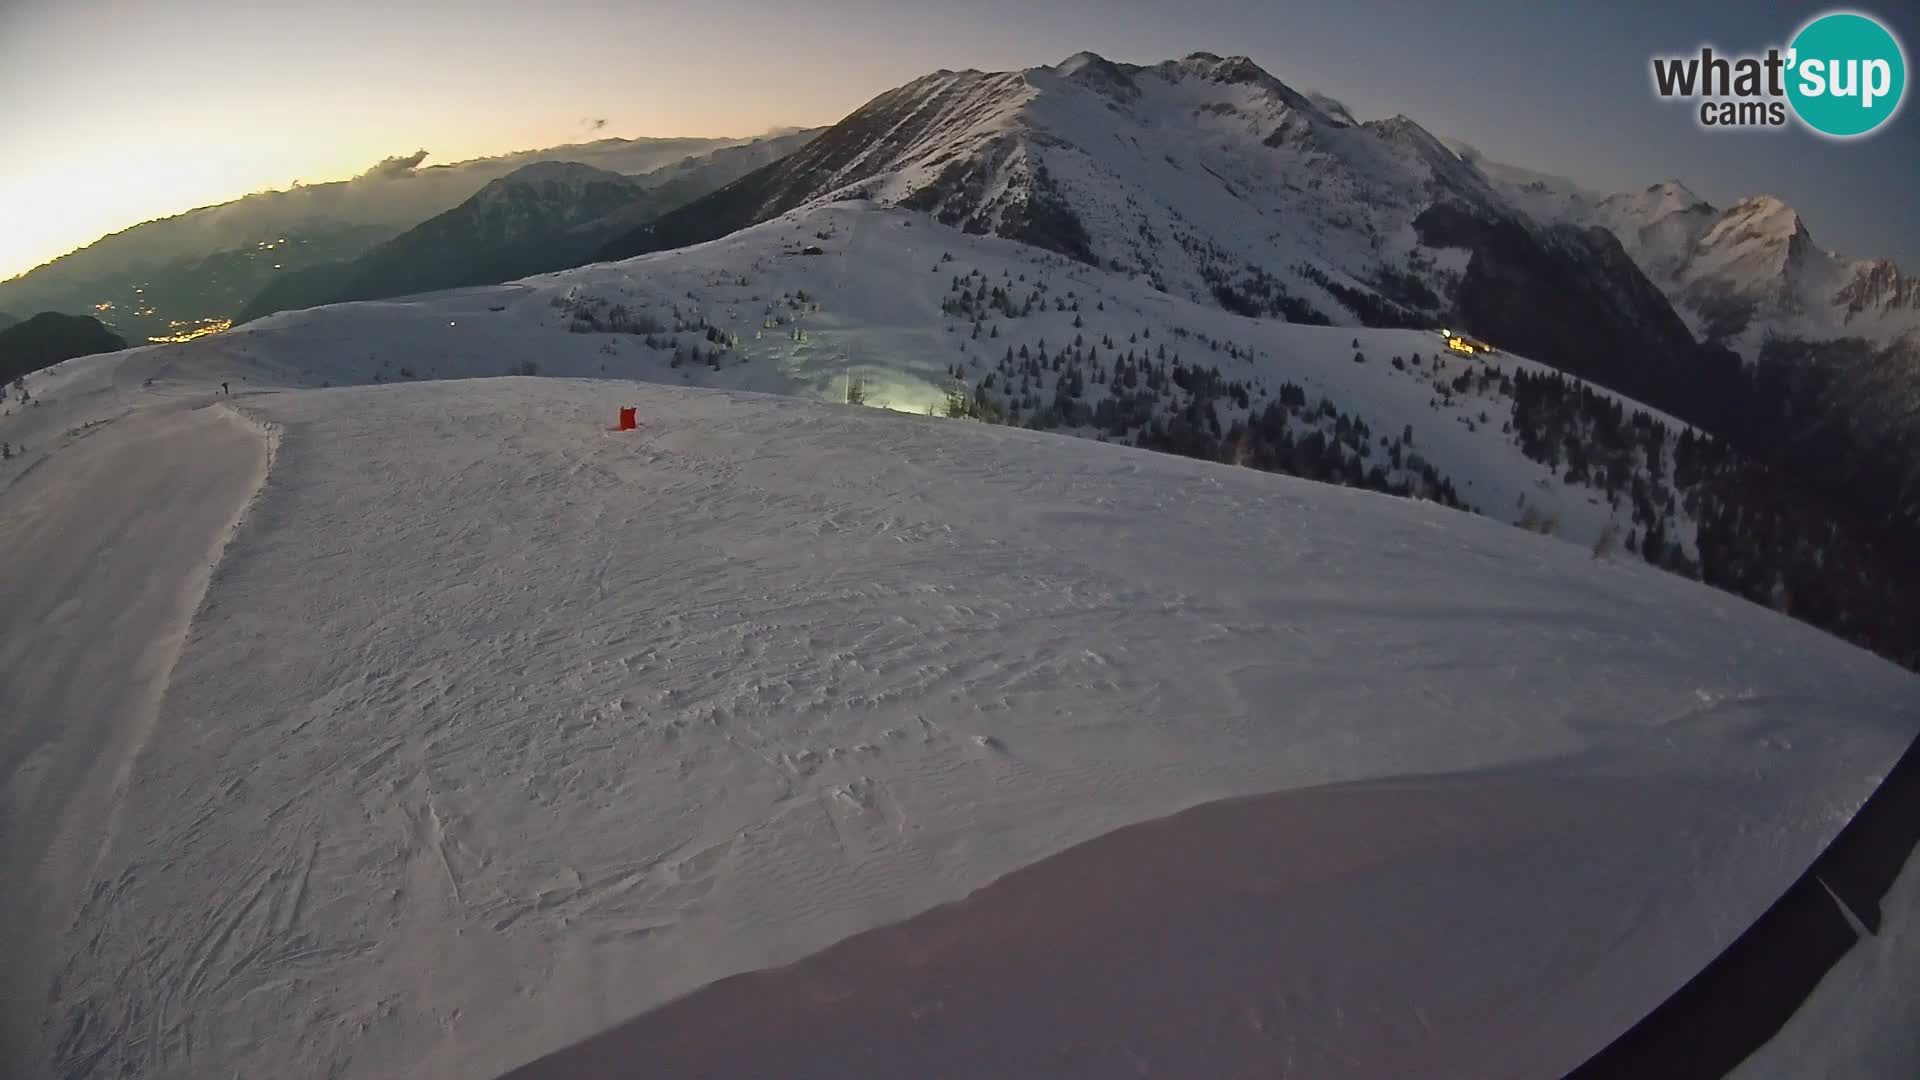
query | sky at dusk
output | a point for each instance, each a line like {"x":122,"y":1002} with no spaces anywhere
{"x":118,"y":111}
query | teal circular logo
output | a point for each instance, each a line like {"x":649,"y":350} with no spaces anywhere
{"x":1847,"y":74}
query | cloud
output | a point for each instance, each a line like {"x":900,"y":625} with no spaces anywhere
{"x":1330,"y":104}
{"x":395,"y":167}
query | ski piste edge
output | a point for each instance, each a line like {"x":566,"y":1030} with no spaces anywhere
{"x":1745,"y":996}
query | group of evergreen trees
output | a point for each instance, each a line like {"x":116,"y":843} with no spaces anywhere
{"x":1370,"y":307}
{"x":1140,"y":393}
{"x":1757,"y":530}
{"x":1815,"y":483}
{"x":1691,"y":504}
{"x":591,"y":315}
{"x":972,"y":297}
{"x":1758,"y":524}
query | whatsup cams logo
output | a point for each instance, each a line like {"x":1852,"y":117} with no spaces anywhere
{"x":1843,"y":75}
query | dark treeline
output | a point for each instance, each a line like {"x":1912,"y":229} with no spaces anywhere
{"x":1792,"y":503}
{"x":1173,"y":407}
{"x":1761,"y":531}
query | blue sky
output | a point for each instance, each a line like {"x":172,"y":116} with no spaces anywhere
{"x":121,"y":110}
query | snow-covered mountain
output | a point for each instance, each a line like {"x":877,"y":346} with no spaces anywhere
{"x":1755,"y":269}
{"x":850,"y":293}
{"x":850,"y":299}
{"x":1830,"y":343}
{"x":1210,"y":180}
{"x":430,"y":728}
{"x":1207,"y":182}
{"x":1152,"y":171}
{"x":1738,"y":274}
{"x":1182,"y":173}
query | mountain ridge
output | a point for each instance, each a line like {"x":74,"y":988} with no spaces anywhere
{"x":1818,"y":365}
{"x":152,"y":278}
{"x":1210,"y":178}
{"x":1739,"y":274}
{"x":543,"y":216}
{"x":521,"y":223}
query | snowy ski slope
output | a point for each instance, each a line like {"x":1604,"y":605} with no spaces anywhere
{"x":424,"y":729}
{"x":874,"y":312}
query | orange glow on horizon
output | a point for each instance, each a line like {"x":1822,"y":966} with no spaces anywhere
{"x":74,"y":206}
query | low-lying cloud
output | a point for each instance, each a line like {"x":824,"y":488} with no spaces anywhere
{"x":394,"y":168}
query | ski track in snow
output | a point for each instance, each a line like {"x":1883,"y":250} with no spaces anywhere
{"x":496,"y":728}
{"x":499,"y":727}
{"x":99,"y":599}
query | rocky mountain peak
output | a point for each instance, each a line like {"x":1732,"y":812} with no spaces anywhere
{"x":1877,"y":287}
{"x":1100,"y":74}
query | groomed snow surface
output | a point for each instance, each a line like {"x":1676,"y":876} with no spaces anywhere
{"x":428,"y":729}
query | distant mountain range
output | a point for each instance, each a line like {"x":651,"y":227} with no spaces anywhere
{"x":1738,"y":274}
{"x":191,"y":270}
{"x":545,"y":216}
{"x":1207,"y":178}
{"x":1830,"y":343}
{"x":525,"y":222}
{"x":1211,"y":179}
{"x":1206,"y":186}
